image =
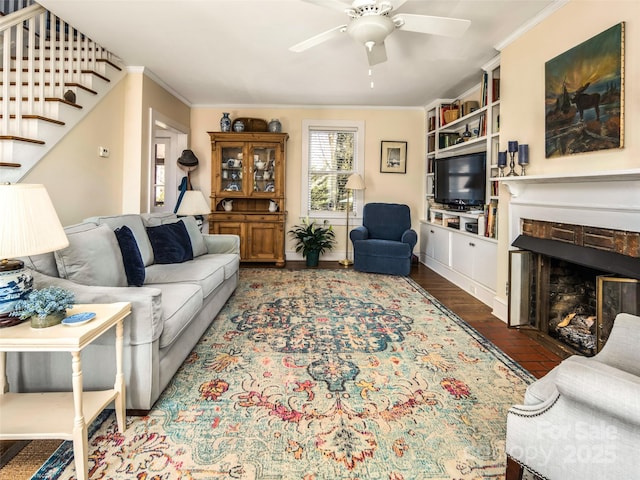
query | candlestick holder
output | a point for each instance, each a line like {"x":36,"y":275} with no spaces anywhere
{"x":512,"y":165}
{"x":523,"y":157}
{"x":502,"y":162}
{"x":512,"y":148}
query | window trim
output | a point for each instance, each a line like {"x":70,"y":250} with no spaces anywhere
{"x":336,"y":218}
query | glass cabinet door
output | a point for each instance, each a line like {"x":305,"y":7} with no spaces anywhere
{"x":263,"y":169}
{"x":231,"y":166}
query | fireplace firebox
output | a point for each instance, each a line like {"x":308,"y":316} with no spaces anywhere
{"x":567,"y":291}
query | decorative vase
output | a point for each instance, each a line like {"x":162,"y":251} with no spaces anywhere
{"x":466,"y":135}
{"x":312,"y":258}
{"x":275,"y":125}
{"x":225,"y":123}
{"x":47,"y":321}
{"x":238,"y":126}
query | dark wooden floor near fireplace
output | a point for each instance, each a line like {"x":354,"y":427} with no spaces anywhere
{"x":529,"y":353}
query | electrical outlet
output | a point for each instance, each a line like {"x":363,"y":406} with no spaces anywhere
{"x":103,"y":152}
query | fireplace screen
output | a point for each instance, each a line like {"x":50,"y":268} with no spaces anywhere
{"x":615,"y":295}
{"x":569,"y":305}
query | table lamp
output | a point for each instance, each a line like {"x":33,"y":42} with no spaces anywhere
{"x":354,"y":182}
{"x":29,"y":225}
{"x":194,"y":203}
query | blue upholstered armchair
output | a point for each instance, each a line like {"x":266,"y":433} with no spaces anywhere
{"x":384,"y":243}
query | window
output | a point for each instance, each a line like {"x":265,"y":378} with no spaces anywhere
{"x":331,"y":152}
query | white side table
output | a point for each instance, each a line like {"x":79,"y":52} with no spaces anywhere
{"x":63,"y":415}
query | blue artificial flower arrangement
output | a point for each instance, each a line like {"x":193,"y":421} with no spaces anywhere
{"x":44,"y":302}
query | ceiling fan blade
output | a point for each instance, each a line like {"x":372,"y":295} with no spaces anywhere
{"x":334,"y":4}
{"x":450,"y":27}
{"x":377,"y":54}
{"x":318,"y":39}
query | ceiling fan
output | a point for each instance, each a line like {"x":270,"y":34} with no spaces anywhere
{"x":372,"y":22}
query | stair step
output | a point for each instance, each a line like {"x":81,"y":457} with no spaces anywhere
{"x":46,"y":70}
{"x":21,"y":139}
{"x":38,"y":117}
{"x":57,"y":84}
{"x":47,"y":99}
{"x":48,"y":59}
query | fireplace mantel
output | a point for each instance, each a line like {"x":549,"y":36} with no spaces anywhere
{"x":606,"y":199}
{"x":516,"y":185}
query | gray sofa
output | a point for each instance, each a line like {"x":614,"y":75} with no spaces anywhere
{"x":172,"y":308}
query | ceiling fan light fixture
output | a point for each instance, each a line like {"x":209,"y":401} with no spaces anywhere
{"x":370,"y":30}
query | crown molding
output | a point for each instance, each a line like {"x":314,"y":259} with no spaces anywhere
{"x":544,"y":14}
{"x":159,"y":81}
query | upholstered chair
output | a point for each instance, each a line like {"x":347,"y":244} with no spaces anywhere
{"x":582,"y":420}
{"x":384,"y":243}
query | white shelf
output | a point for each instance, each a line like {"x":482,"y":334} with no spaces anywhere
{"x":460,"y":122}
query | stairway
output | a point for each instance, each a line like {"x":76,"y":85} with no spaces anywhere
{"x":52,"y":76}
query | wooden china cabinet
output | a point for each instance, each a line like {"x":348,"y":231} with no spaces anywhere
{"x":247,"y":192}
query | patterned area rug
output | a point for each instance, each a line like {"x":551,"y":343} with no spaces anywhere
{"x":321,"y":374}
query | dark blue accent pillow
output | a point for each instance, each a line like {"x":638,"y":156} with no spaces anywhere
{"x":133,"y":264}
{"x":170,"y":243}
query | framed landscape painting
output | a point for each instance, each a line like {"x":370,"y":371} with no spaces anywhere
{"x":584,"y":96}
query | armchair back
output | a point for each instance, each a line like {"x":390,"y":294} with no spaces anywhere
{"x":386,"y":221}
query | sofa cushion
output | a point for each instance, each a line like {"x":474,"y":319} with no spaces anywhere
{"x":43,"y":263}
{"x":92,"y":258}
{"x":181,"y":302}
{"x":136,"y":225}
{"x":199,"y":273}
{"x":228,"y":261}
{"x":133,"y":264}
{"x":195,"y":235}
{"x":170,"y":243}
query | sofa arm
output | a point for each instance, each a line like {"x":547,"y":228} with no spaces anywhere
{"x":359,"y":233}
{"x":218,"y":243}
{"x":411,"y":237}
{"x":600,"y":387}
{"x":145,"y":323}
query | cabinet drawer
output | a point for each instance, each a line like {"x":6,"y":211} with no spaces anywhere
{"x":228,"y":217}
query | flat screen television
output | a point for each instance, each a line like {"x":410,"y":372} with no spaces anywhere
{"x":460,"y":181}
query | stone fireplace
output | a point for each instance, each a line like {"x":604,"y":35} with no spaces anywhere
{"x":575,"y":258}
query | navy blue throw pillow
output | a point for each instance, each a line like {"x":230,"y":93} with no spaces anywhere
{"x":133,"y":264}
{"x":170,"y":243}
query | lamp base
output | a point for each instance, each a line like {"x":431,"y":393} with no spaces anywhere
{"x":345,"y":263}
{"x":15,"y":284}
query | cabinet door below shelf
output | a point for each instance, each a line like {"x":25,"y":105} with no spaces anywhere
{"x":437,"y":247}
{"x":475,"y":258}
{"x":264,"y":242}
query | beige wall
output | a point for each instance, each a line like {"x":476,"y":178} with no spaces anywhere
{"x":380,"y":124}
{"x":79,"y":182}
{"x":522,"y":95}
{"x":82,"y":184}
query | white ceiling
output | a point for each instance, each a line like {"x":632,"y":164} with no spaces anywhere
{"x":235,"y":52}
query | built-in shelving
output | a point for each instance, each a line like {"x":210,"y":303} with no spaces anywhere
{"x":465,"y":256}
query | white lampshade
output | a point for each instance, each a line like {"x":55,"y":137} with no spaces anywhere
{"x":355,"y":182}
{"x":194,"y":203}
{"x":29,"y":224}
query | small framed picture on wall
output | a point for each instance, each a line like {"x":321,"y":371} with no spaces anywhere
{"x":393,"y":156}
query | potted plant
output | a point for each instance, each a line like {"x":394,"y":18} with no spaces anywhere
{"x":45,"y":308}
{"x":312,"y":240}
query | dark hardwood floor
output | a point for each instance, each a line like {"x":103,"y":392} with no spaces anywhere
{"x":532,"y":355}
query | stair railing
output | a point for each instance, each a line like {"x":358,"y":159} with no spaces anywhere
{"x":30,"y":35}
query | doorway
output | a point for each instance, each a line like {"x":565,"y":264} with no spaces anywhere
{"x":168,"y":140}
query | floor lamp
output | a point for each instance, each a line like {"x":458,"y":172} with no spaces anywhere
{"x":355,"y":182}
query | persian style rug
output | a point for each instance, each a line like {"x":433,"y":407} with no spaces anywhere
{"x":320,"y":375}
